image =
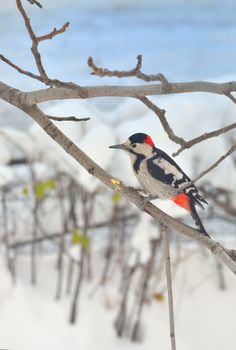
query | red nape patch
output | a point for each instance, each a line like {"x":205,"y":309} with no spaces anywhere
{"x":149,"y":141}
{"x":183,"y":201}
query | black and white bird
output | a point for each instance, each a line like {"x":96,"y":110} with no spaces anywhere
{"x":159,"y":175}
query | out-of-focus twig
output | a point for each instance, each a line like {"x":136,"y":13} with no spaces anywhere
{"x":166,"y":251}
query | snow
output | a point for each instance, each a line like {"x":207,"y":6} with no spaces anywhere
{"x":144,"y":233}
{"x":204,"y":314}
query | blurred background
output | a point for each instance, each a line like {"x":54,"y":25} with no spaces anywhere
{"x":78,"y":263}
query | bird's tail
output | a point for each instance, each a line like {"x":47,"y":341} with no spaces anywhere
{"x":197,"y":220}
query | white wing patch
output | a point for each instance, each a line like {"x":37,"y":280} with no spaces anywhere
{"x":168,"y":168}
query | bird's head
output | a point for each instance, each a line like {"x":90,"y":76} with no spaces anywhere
{"x":137,"y":144}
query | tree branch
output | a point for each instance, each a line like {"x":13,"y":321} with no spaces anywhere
{"x":53,"y":33}
{"x":20,"y":70}
{"x":179,"y":140}
{"x":32,"y":2}
{"x":204,"y":137}
{"x":67,"y":119}
{"x":230,"y":96}
{"x":161,"y":115}
{"x":35,"y":41}
{"x":203,"y":173}
{"x":135,"y":72}
{"x":166,"y":251}
{"x":66,"y":91}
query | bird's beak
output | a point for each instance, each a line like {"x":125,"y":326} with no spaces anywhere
{"x":121,"y":146}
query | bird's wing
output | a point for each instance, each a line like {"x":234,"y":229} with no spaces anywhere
{"x":163,"y":168}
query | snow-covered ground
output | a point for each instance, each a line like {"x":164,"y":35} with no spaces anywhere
{"x":185,"y":40}
{"x":31,"y":319}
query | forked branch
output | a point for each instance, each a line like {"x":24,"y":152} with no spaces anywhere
{"x":135,"y":72}
{"x":35,"y":41}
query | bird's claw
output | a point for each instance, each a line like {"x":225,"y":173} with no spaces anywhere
{"x":136,"y":190}
{"x":147,"y":199}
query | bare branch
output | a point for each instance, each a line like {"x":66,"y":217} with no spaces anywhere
{"x":179,"y":140}
{"x":104,"y":72}
{"x":54,"y":32}
{"x":221,"y":197}
{"x":34,"y":47}
{"x":20,"y":70}
{"x":54,"y":236}
{"x":203,"y":173}
{"x":204,"y":137}
{"x":67,"y":119}
{"x":135,"y":72}
{"x":72,"y":90}
{"x":35,"y":2}
{"x":35,"y":41}
{"x":161,"y":115}
{"x":166,"y":251}
{"x":230,"y":96}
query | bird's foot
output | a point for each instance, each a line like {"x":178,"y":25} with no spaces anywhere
{"x":138,"y":190}
{"x":142,"y":192}
{"x":146,"y":200}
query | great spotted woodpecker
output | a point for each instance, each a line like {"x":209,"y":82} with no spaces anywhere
{"x":159,"y":175}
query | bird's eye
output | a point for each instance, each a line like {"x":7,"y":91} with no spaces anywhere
{"x":134,"y":145}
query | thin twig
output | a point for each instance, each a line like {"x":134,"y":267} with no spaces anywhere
{"x":34,"y":47}
{"x":67,"y":119}
{"x":204,"y":137}
{"x":161,"y":115}
{"x":166,"y":251}
{"x":135,"y":72}
{"x":35,"y":41}
{"x":221,"y":197}
{"x":53,"y":33}
{"x":203,"y":173}
{"x":179,"y":140}
{"x":20,"y":70}
{"x":32,"y":2}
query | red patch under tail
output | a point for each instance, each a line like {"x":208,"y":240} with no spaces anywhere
{"x":183,"y":201}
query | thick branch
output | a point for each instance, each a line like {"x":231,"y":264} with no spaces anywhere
{"x":76,"y":91}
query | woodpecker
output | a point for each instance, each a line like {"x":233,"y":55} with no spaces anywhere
{"x":159,"y":175}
